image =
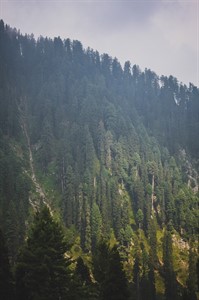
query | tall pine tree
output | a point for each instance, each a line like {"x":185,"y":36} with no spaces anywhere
{"x":6,"y":279}
{"x":169,"y":274}
{"x":42,"y":268}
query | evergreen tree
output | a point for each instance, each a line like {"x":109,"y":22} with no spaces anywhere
{"x":87,"y":234}
{"x":153,"y":242}
{"x":151,"y":278}
{"x":136,"y":274}
{"x":42,"y":268}
{"x":69,"y":197}
{"x":115,"y":285}
{"x":109,"y":274}
{"x":12,"y":231}
{"x":147,"y":280}
{"x":169,"y":274}
{"x":190,"y":292}
{"x":101,"y":265}
{"x":139,"y":218}
{"x":96,"y":225}
{"x":83,"y":272}
{"x":6,"y":279}
{"x":82,"y":284}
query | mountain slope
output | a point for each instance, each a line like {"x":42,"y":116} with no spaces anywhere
{"x":111,"y":148}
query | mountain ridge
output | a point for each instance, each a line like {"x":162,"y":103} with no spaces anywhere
{"x":110,"y":148}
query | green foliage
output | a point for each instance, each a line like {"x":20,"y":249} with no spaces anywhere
{"x":82,"y":282}
{"x":115,"y":151}
{"x":152,"y":236}
{"x":96,"y":225}
{"x":42,"y":269}
{"x":115,"y":285}
{"x":14,"y":193}
{"x":190,"y":292}
{"x":6,"y":278}
{"x":108,"y":273}
{"x":139,"y":217}
{"x":169,"y":275}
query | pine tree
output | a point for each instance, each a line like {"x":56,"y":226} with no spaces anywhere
{"x":139,"y":218}
{"x":69,"y":196}
{"x":136,"y":276}
{"x":169,"y":274}
{"x":151,"y":278}
{"x":96,"y":225}
{"x":109,"y":274}
{"x":12,"y":231}
{"x":83,"y":272}
{"x":190,"y":292}
{"x":87,"y":228}
{"x":153,"y":242}
{"x":83,"y":287}
{"x":147,"y":280}
{"x":6,"y":279}
{"x":42,"y":268}
{"x":101,"y":265}
{"x":115,"y":285}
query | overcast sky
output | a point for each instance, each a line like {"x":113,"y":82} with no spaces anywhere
{"x":160,"y":35}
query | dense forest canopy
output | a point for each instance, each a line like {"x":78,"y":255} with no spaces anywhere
{"x":113,"y":154}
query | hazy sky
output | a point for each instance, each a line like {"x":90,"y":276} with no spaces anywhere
{"x":160,"y":35}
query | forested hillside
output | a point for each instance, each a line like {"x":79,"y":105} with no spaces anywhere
{"x":113,"y":152}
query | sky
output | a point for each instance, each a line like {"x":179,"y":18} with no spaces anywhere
{"x":161,"y":35}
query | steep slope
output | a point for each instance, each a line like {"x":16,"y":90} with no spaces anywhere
{"x":111,"y":149}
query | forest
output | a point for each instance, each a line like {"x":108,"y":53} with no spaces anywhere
{"x":99,"y":175}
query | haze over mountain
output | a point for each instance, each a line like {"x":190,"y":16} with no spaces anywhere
{"x":160,"y":35}
{"x":109,"y":152}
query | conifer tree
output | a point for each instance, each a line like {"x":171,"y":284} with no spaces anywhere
{"x":115,"y":285}
{"x":83,"y":272}
{"x":109,"y":274}
{"x":151,"y":278}
{"x":87,"y":245}
{"x":6,"y":279}
{"x":153,"y":242}
{"x":96,"y":225}
{"x":190,"y":292}
{"x":82,"y":285}
{"x":169,"y":274}
{"x":100,"y":265}
{"x":69,"y":196}
{"x":42,"y":268}
{"x":136,"y":275}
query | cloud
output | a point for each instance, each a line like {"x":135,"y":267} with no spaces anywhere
{"x":161,"y":35}
{"x":115,"y":15}
{"x":98,"y":16}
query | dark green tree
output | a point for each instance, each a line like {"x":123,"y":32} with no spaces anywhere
{"x":6,"y":278}
{"x":136,"y":275}
{"x":139,"y":217}
{"x":83,"y":288}
{"x":69,"y":197}
{"x":151,"y":278}
{"x":83,"y":272}
{"x":147,"y":281}
{"x":191,"y":290}
{"x":153,"y":242}
{"x":101,"y":265}
{"x":96,"y":225}
{"x":87,"y":225}
{"x":42,"y":267}
{"x":115,"y":285}
{"x":169,"y":274}
{"x":109,"y":274}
